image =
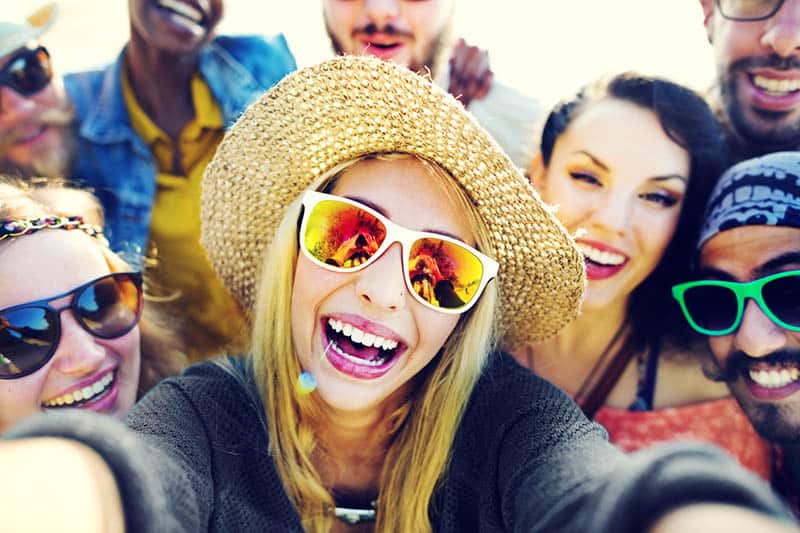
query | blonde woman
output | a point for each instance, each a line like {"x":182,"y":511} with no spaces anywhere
{"x":364,"y":219}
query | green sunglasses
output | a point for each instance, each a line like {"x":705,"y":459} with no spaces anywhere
{"x":715,"y":307}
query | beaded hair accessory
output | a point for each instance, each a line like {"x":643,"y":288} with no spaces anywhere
{"x":17,"y":227}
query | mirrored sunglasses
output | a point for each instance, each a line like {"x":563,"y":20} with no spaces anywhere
{"x":28,"y":71}
{"x":442,"y":273}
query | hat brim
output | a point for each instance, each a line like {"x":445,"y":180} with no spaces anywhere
{"x":324,"y":115}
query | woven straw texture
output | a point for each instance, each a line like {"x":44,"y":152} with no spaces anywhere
{"x":323,"y":115}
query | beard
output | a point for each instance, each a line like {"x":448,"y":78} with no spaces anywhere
{"x":777,"y":421}
{"x":434,"y":56}
{"x":769,"y":131}
{"x":48,"y":161}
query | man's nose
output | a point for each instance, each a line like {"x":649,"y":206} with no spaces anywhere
{"x":14,"y":106}
{"x":381,"y":12}
{"x":782,"y":32}
{"x":758,"y":335}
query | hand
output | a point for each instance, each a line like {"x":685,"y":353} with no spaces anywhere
{"x":470,"y":75}
{"x":49,"y":484}
{"x":711,"y":518}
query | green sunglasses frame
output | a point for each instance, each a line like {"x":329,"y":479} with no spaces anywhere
{"x":742,"y":291}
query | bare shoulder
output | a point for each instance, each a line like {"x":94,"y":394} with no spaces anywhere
{"x":681,"y":380}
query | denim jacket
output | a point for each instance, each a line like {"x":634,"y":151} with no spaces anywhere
{"x":116,"y":163}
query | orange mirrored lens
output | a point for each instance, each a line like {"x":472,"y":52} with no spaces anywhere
{"x":444,"y":274}
{"x":342,"y":235}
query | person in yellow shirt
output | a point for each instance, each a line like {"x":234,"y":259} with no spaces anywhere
{"x":148,"y":126}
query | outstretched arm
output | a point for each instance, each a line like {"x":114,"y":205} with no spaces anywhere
{"x":66,"y":485}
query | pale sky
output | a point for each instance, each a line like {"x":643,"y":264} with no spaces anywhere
{"x":546,"y":48}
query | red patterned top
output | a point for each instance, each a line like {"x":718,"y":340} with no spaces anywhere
{"x":720,"y":422}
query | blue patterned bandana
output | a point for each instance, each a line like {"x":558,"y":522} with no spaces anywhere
{"x":764,"y":191}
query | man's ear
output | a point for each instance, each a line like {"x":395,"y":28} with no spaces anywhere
{"x":708,"y":15}
{"x":536,"y":171}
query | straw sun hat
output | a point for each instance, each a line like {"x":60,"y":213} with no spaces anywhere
{"x":330,"y":113}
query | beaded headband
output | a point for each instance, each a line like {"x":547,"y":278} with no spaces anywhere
{"x":17,"y":227}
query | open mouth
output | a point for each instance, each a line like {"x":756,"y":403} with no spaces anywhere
{"x":27,"y":135}
{"x":774,"y":376}
{"x":775,"y":87}
{"x":182,"y":10}
{"x":601,"y":257}
{"x":383,"y":46}
{"x":89,"y":394}
{"x":364,"y":354}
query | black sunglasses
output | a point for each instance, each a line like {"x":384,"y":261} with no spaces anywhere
{"x":748,"y":10}
{"x":107,"y":307}
{"x":28,"y":71}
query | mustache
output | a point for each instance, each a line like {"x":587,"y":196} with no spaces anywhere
{"x":772,"y":61}
{"x":388,"y":29}
{"x":56,"y":116}
{"x":738,"y":361}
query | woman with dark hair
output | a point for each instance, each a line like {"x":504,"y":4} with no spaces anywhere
{"x":629,"y":162}
{"x":74,"y":333}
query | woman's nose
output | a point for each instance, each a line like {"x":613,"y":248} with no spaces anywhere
{"x":381,"y":284}
{"x":78,"y":352}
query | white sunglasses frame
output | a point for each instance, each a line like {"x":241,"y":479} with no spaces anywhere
{"x":395,"y":233}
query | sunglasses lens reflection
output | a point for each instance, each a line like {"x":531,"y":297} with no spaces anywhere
{"x":110,"y":307}
{"x":107,"y":308}
{"x":712,"y":308}
{"x":444,"y":274}
{"x":782,"y":297}
{"x":29,"y":72}
{"x":26,"y":336}
{"x":342,"y":235}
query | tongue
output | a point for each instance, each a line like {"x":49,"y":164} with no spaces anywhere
{"x":357,"y":349}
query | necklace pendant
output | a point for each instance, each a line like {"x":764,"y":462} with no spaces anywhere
{"x":352,"y":516}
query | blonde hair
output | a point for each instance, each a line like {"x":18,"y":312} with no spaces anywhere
{"x":424,"y":427}
{"x":162,"y":352}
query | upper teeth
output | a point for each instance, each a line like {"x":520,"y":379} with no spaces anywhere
{"x":776,"y":86}
{"x":600,"y":256}
{"x":184,"y":9}
{"x":361,"y":337}
{"x":774,"y":378}
{"x":86,"y":393}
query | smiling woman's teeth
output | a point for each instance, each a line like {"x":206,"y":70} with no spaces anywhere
{"x":358,"y":336}
{"x":774,"y":378}
{"x":83,"y":395}
{"x":601,"y":257}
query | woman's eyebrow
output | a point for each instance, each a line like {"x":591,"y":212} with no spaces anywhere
{"x":668,"y":177}
{"x":373,"y":206}
{"x":594,"y":159}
